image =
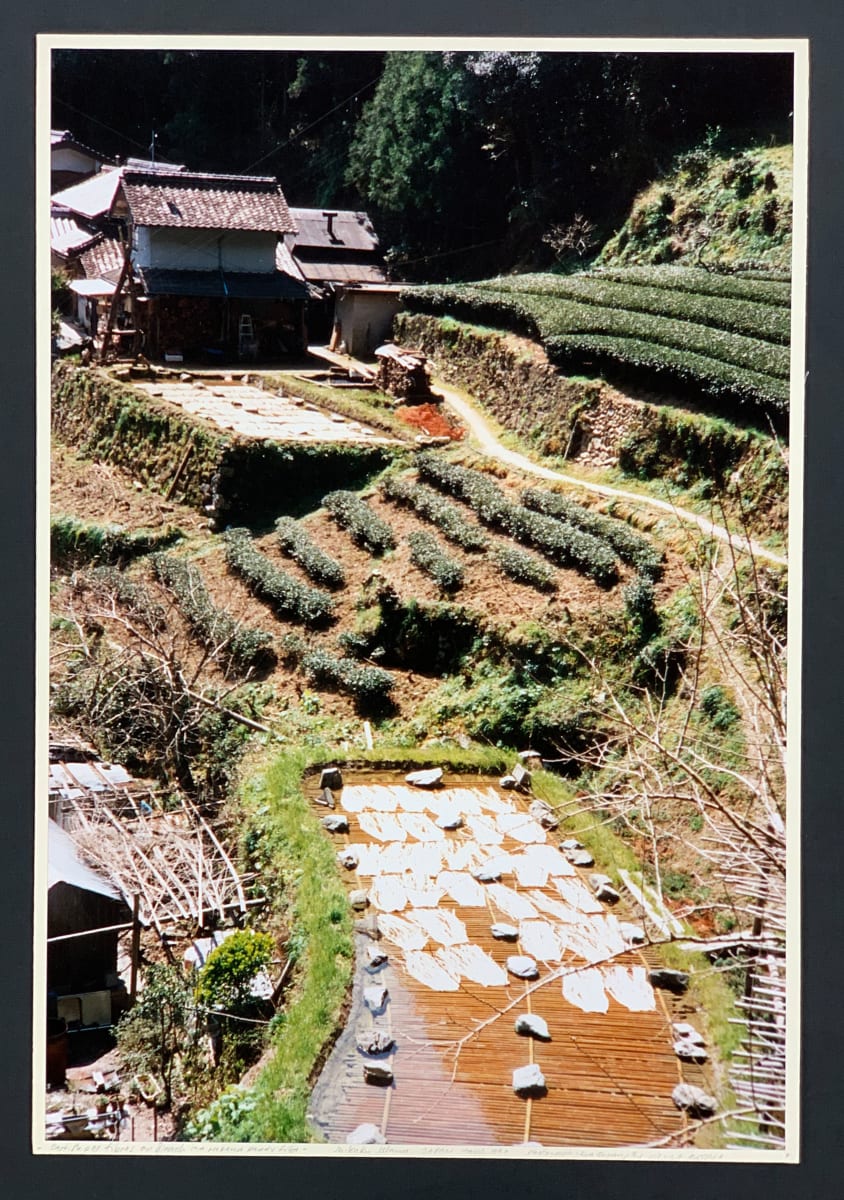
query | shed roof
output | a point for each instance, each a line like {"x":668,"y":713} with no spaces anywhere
{"x":238,"y":285}
{"x":349,"y":230}
{"x":184,"y":199}
{"x":348,"y":271}
{"x":66,"y":866}
{"x":93,"y":197}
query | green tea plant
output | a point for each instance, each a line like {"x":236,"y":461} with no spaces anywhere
{"x":239,"y":647}
{"x":354,"y":515}
{"x":371,"y":686}
{"x":428,"y":556}
{"x":431,"y":506}
{"x":559,"y":541}
{"x":297,"y":543}
{"x":726,"y":334}
{"x":525,"y":568}
{"x":631,"y":547}
{"x":288,"y":596}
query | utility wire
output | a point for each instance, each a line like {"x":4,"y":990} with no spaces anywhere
{"x":298,"y":134}
{"x":102,"y":124}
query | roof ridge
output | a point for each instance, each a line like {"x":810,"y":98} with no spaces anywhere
{"x":182,"y":177}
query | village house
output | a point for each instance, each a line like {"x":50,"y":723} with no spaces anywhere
{"x":204,"y":282}
{"x":188,"y":266}
{"x":71,"y":161}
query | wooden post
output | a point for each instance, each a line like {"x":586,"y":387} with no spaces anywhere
{"x":112,"y":312}
{"x":136,"y":946}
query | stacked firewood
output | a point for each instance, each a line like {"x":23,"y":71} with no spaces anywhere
{"x":403,"y":373}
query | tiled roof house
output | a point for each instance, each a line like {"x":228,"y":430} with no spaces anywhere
{"x":204,"y":254}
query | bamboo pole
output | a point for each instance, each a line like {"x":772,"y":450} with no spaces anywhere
{"x":136,"y":946}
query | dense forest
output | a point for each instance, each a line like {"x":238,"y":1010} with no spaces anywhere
{"x":469,"y":163}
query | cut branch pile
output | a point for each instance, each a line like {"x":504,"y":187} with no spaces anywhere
{"x":173,"y":861}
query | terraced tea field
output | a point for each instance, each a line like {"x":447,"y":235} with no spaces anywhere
{"x":726,"y":335}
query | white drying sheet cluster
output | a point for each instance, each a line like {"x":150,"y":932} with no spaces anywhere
{"x":412,"y":865}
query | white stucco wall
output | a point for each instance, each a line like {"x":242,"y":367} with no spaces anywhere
{"x":200,"y":249}
{"x":65,"y":159}
{"x":365,"y":319}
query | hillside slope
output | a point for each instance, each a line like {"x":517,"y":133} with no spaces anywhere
{"x":713,"y":209}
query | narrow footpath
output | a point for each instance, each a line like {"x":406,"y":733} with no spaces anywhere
{"x":484,"y":435}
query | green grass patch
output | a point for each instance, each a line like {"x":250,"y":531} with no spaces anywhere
{"x":73,"y":541}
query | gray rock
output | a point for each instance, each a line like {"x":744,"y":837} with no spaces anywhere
{"x":580,"y":858}
{"x":507,"y":782}
{"x":522,"y":966}
{"x":689,"y":1051}
{"x":326,"y":798}
{"x":347,"y":859}
{"x":335,"y":824}
{"x":543,"y":813}
{"x":504,"y":933}
{"x":375,"y":957}
{"x":377,"y":1073}
{"x":521,"y":776}
{"x":528,"y":1081}
{"x":449,"y":820}
{"x":530,"y":756}
{"x":694,"y":1100}
{"x":359,"y":900}
{"x":375,"y":1041}
{"x":486,"y":874}
{"x":330,"y":777}
{"x":375,"y":997}
{"x":366,"y":1135}
{"x":669,"y":980}
{"x":596,"y":881}
{"x":571,"y":844}
{"x":607,"y":894}
{"x":533,"y":1026}
{"x":425,"y":779}
{"x":633,"y":934}
{"x":687,"y":1032}
{"x":368,"y":925}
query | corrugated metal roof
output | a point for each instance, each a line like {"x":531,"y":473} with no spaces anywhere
{"x":96,"y":776}
{"x":187,"y":200}
{"x":93,"y":197}
{"x":67,"y":236}
{"x":65,"y":866}
{"x":238,"y":285}
{"x":351,"y":230}
{"x":92,"y":287}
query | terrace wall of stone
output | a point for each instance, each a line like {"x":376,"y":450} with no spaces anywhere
{"x":232,"y":479}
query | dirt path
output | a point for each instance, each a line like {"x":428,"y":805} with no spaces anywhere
{"x":482,"y":431}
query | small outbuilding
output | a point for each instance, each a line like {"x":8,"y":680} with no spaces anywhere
{"x":82,"y":909}
{"x":363,"y":316}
